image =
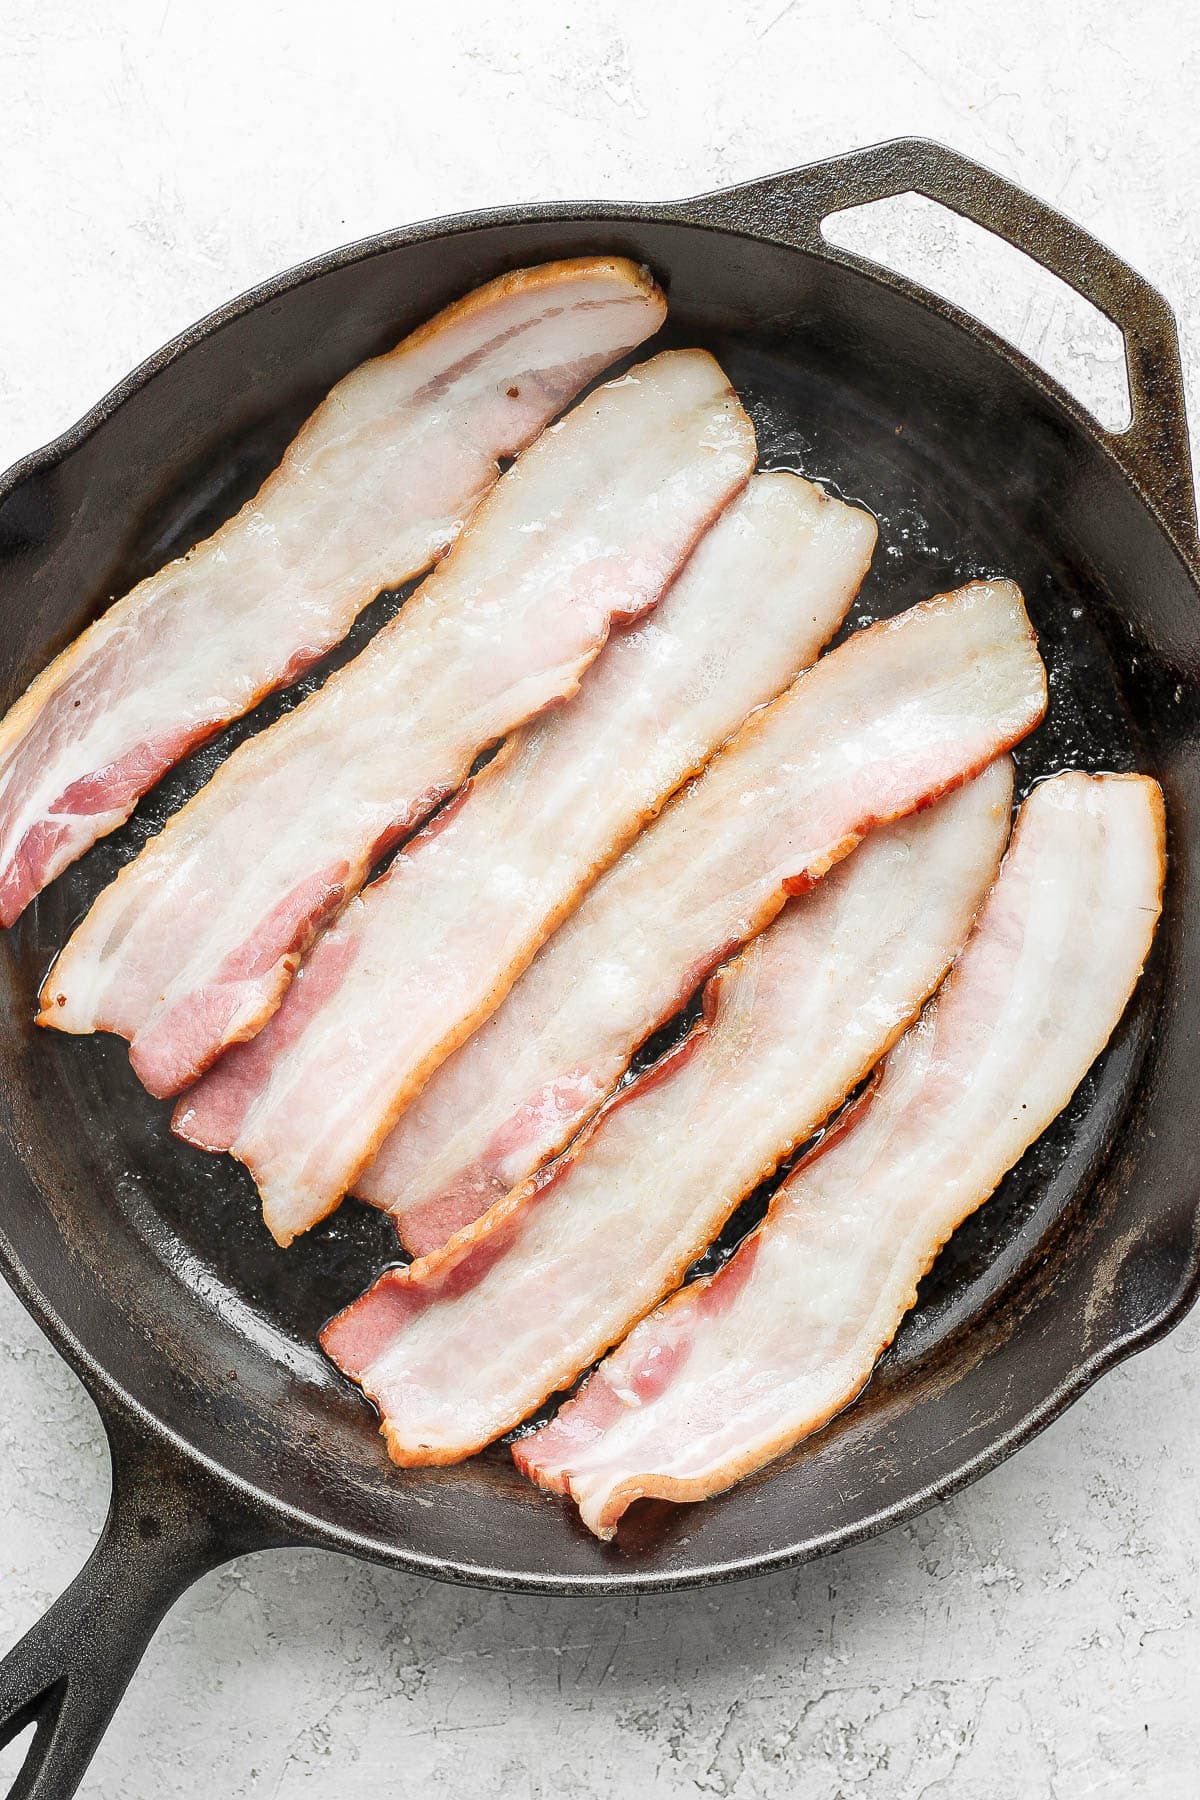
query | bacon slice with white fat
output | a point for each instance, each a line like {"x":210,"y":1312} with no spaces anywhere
{"x":895,"y":716}
{"x":738,"y":1368}
{"x":192,"y":947}
{"x":465,"y":1343}
{"x":433,"y":946}
{"x":376,"y":486}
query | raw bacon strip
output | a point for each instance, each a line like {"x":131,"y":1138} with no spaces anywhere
{"x":737,"y":1369}
{"x":895,"y":716}
{"x":192,"y":946}
{"x":466,"y":1342}
{"x":376,"y":486}
{"x":434,"y":946}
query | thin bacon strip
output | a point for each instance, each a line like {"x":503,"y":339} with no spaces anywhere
{"x":192,"y":947}
{"x":427,"y":951}
{"x":880,"y":726}
{"x":376,"y":486}
{"x":736,"y":1369}
{"x":466,"y":1342}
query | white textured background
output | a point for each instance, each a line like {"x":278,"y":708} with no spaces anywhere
{"x":1037,"y":1636}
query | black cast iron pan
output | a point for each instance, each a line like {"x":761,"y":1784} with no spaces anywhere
{"x":147,"y":1264}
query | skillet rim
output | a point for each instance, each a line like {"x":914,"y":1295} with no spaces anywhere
{"x":114,"y":1402}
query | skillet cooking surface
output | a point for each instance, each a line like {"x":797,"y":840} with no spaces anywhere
{"x":154,"y":1257}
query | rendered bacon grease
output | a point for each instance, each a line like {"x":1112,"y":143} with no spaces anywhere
{"x":897,"y":715}
{"x":423,"y":954}
{"x":192,"y":947}
{"x":736,"y":1369}
{"x":466,"y":1342}
{"x":377,"y":484}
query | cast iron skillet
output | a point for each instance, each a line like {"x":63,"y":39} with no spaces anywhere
{"x":147,"y":1265}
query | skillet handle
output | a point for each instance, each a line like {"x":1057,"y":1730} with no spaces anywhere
{"x":167,"y":1525}
{"x":1154,"y":451}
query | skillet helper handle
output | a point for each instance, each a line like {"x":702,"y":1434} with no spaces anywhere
{"x":166,"y":1526}
{"x":1155,"y":450}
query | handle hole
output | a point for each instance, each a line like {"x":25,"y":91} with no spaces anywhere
{"x":25,"y":1735}
{"x":14,"y":1754}
{"x":995,"y":282}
